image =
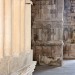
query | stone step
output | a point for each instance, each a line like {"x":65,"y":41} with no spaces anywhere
{"x":11,"y":64}
{"x":26,"y":70}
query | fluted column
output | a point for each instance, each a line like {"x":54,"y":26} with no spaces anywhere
{"x":8,"y":23}
{"x":28,"y":25}
{"x":1,"y":27}
{"x":22,"y":25}
{"x":16,"y":21}
{"x":15,"y":27}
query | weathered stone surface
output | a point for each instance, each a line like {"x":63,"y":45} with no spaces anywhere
{"x":69,"y":52}
{"x":11,"y":65}
{"x":69,"y":29}
{"x":47,"y":31}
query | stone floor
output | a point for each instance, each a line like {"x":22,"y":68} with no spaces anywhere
{"x":68,"y":68}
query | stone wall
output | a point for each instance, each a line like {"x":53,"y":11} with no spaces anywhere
{"x":69,"y":29}
{"x":47,"y":31}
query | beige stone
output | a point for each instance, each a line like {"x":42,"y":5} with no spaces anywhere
{"x":27,"y":26}
{"x":7,"y":27}
{"x":22,"y":25}
{"x":1,"y":27}
{"x":16,"y":21}
{"x":16,"y":56}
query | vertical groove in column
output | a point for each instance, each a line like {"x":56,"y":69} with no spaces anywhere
{"x":28,"y":26}
{"x":7,"y":39}
{"x":22,"y":24}
{"x":1,"y":27}
{"x":16,"y":27}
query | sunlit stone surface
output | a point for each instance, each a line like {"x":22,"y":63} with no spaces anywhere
{"x":16,"y":56}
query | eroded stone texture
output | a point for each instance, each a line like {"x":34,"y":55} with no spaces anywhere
{"x":69,"y":29}
{"x":47,"y":31}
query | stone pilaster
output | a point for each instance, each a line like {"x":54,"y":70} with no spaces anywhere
{"x":1,"y":27}
{"x":28,"y":25}
{"x":15,"y":38}
{"x":16,"y":31}
{"x":7,"y":27}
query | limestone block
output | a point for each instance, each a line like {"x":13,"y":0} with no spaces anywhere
{"x":47,"y":30}
{"x":7,"y":27}
{"x":1,"y":27}
{"x":47,"y":51}
{"x":18,"y":62}
{"x":16,"y":21}
{"x":56,"y":52}
{"x":69,"y":26}
{"x":4,"y":66}
{"x":28,"y":25}
{"x":22,"y":25}
{"x":17,"y":65}
{"x":72,"y":51}
{"x":46,"y":54}
{"x":26,"y":70}
{"x":44,"y":60}
{"x":38,"y":52}
{"x":16,"y":53}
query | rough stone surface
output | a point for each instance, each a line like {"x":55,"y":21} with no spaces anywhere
{"x":47,"y":31}
{"x":69,"y":29}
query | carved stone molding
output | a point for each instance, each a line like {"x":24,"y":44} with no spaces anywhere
{"x":29,"y":2}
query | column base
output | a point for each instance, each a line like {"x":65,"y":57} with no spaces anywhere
{"x":27,"y":70}
{"x":21,"y":65}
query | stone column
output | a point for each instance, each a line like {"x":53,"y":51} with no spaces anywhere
{"x":28,"y":25}
{"x":1,"y":26}
{"x":7,"y":38}
{"x":22,"y":25}
{"x":16,"y":21}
